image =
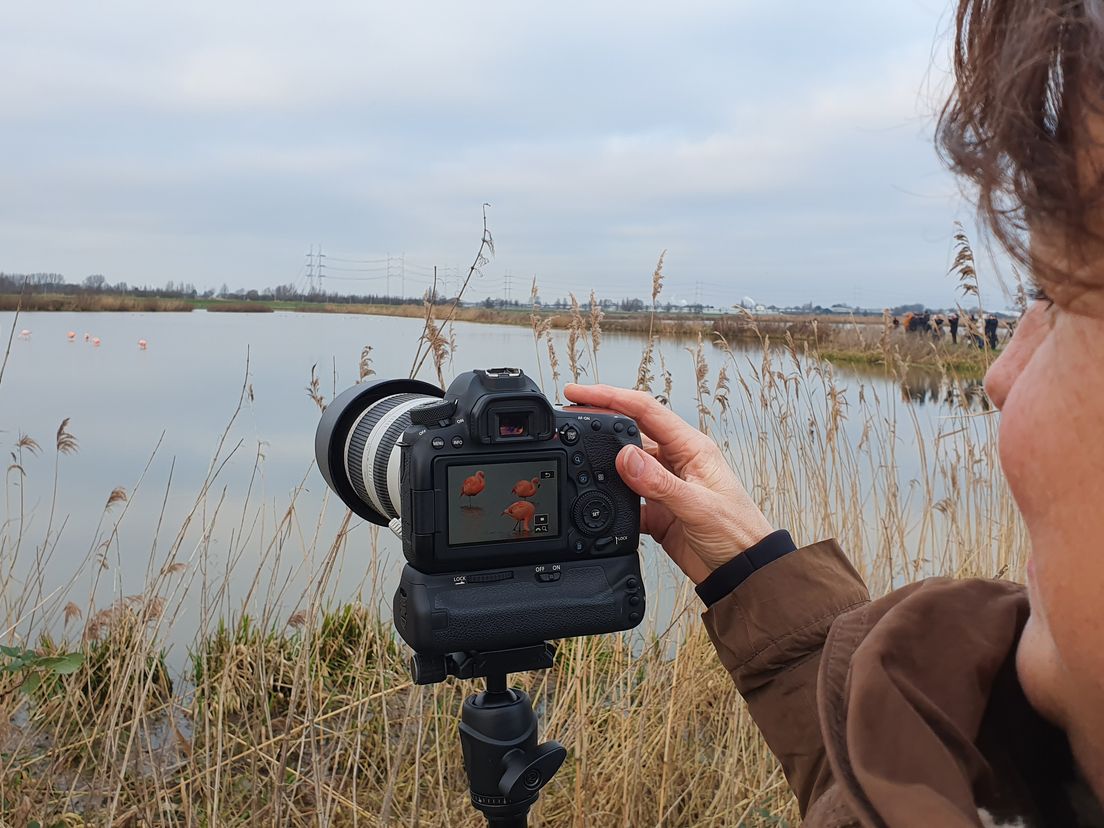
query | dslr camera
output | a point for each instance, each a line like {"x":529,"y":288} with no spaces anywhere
{"x":515,"y":525}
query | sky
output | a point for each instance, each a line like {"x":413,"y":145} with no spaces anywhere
{"x":777,"y":151}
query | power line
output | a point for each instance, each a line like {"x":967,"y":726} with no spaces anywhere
{"x":357,"y":261}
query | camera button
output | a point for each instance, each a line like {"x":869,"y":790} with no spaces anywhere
{"x":633,"y":431}
{"x":631,"y":583}
{"x":595,"y":425}
{"x":580,"y":546}
{"x":634,"y":600}
{"x":548,"y":577}
{"x":600,"y":477}
{"x":602,"y":544}
{"x":583,"y":478}
{"x":457,"y":441}
{"x":570,"y":435}
{"x":619,"y":426}
{"x":577,"y":458}
{"x":593,"y":513}
{"x":438,"y":442}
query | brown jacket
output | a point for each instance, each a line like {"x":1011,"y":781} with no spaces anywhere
{"x":898,"y":712}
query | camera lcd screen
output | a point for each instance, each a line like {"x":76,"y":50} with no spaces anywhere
{"x":493,"y":502}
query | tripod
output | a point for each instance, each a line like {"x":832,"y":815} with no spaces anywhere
{"x":506,"y":766}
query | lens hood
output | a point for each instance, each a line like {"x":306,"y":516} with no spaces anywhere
{"x":333,"y":431}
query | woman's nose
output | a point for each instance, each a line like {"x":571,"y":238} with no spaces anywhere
{"x":999,"y":379}
{"x":1002,"y":374}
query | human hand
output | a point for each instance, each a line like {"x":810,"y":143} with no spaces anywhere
{"x":695,"y":506}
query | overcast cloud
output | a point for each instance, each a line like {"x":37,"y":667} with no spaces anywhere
{"x":777,"y":150}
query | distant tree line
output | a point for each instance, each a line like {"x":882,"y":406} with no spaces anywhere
{"x":98,"y":283}
{"x":95,"y":283}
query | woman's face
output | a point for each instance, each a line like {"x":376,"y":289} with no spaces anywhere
{"x":1049,"y":385}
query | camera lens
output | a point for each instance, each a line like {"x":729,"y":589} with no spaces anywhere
{"x":356,"y":444}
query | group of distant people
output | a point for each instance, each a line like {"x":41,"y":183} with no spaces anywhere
{"x":980,"y":331}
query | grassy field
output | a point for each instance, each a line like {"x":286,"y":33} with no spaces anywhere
{"x":302,"y":713}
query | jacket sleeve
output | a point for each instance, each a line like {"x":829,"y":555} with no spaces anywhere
{"x":769,"y":632}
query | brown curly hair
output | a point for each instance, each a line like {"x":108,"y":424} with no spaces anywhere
{"x":1029,"y":87}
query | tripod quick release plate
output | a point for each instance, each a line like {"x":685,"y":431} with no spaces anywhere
{"x":426,"y":668}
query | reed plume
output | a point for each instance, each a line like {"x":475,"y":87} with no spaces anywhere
{"x":66,"y":442}
{"x":437,"y":342}
{"x":595,"y":332}
{"x":314,"y":389}
{"x":644,"y":376}
{"x":364,"y":367}
{"x":575,"y":336}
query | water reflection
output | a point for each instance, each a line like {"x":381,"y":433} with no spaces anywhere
{"x":927,"y":388}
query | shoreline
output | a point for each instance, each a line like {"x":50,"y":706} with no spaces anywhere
{"x":826,"y":336}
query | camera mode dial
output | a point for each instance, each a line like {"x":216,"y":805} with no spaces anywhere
{"x":593,"y":512}
{"x":433,"y":413}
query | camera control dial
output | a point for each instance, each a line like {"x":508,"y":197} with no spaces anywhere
{"x":433,"y":413}
{"x":592,"y":512}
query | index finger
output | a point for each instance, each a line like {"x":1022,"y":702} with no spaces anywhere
{"x":676,"y":437}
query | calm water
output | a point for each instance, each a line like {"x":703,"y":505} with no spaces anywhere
{"x":168,"y":407}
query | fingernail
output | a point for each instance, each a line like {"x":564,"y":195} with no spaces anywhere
{"x":634,"y":463}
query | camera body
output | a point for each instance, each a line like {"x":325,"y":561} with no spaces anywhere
{"x":515,"y":524}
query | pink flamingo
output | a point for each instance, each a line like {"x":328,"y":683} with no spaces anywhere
{"x":87,"y":336}
{"x":96,"y":341}
{"x":473,"y":486}
{"x":72,"y":335}
{"x":24,"y":334}
{"x":526,"y":488}
{"x":522,"y":512}
{"x":142,"y":344}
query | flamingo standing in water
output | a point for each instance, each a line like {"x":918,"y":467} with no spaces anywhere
{"x":71,"y":336}
{"x":526,"y":488}
{"x":522,"y":512}
{"x":142,"y":344}
{"x":24,"y":334}
{"x":96,"y":341}
{"x":473,"y":486}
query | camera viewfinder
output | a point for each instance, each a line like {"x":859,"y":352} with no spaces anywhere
{"x":512,"y":424}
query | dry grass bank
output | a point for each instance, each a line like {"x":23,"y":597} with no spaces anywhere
{"x":83,"y":302}
{"x":884,"y":345}
{"x":732,"y":327}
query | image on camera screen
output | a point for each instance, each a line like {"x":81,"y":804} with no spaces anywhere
{"x":492,"y":502}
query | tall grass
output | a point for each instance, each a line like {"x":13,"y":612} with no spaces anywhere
{"x":297,"y":709}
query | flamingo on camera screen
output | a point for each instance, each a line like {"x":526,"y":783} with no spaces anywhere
{"x":473,"y":486}
{"x":522,"y":512}
{"x":526,"y":488}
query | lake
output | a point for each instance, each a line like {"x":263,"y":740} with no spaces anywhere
{"x":151,"y":421}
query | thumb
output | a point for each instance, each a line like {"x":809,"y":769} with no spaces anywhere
{"x":648,"y":478}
